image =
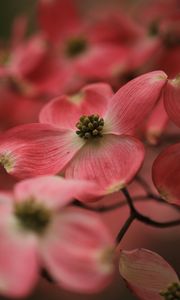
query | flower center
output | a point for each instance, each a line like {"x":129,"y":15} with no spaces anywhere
{"x":172,"y":292}
{"x":169,"y":35}
{"x":76,"y":46}
{"x":33,"y":215}
{"x":90,"y":126}
{"x":154,"y":28}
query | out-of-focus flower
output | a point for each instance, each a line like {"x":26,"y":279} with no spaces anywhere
{"x":37,"y":231}
{"x":32,"y":68}
{"x":148,"y":275}
{"x":87,"y":135}
{"x":113,"y":25}
{"x":162,"y":20}
{"x":74,"y":40}
{"x":16,"y":108}
{"x":166,"y":174}
{"x":29,"y":73}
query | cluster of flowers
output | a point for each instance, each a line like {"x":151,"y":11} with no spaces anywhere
{"x":85,"y":144}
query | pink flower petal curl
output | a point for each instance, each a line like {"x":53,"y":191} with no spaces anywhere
{"x":166,"y":173}
{"x":131,"y":104}
{"x":146,"y":273}
{"x":78,"y":251}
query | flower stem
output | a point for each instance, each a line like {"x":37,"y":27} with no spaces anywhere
{"x":125,"y":227}
{"x":144,"y":219}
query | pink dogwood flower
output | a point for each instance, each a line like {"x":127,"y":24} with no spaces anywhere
{"x":148,"y":275}
{"x":162,"y":19}
{"x":38,"y":230}
{"x":166,"y":174}
{"x":33,"y":69}
{"x":86,"y":136}
{"x":74,"y":39}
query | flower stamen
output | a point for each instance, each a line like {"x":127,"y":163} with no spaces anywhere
{"x":75,"y":46}
{"x":90,"y":126}
{"x":32,"y":215}
{"x":172,"y":292}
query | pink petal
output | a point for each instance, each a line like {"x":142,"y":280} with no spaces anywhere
{"x":64,"y":111}
{"x":114,"y":26}
{"x":97,"y":97}
{"x":131,"y":104}
{"x":78,"y":251}
{"x":111,"y":161}
{"x":37,"y":149}
{"x":6,"y":199}
{"x":144,"y":53}
{"x":101,"y":62}
{"x":156,"y":123}
{"x":172,"y":100}
{"x":60,"y":112}
{"x":166,"y":173}
{"x":27,"y":57}
{"x":53,"y":191}
{"x":64,"y":16}
{"x":18,"y":259}
{"x":146,"y":273}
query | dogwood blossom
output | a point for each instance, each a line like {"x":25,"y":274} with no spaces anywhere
{"x":86,"y":136}
{"x":38,"y":230}
{"x":148,"y":275}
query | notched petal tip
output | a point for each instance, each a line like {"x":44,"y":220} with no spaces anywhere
{"x":161,"y":76}
{"x":153,"y":136}
{"x":116,"y":187}
{"x":105,"y":259}
{"x":7,"y":161}
{"x":76,"y":98}
{"x":164,"y":193}
{"x":176,"y":81}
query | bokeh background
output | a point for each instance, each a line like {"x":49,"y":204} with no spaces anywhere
{"x":164,"y":241}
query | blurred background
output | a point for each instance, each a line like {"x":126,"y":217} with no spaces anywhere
{"x":165,"y":241}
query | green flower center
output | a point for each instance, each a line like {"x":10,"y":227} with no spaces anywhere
{"x":32,"y":215}
{"x":75,"y":46}
{"x":154,"y":28}
{"x":90,"y":126}
{"x":170,"y":36}
{"x":172,"y":292}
